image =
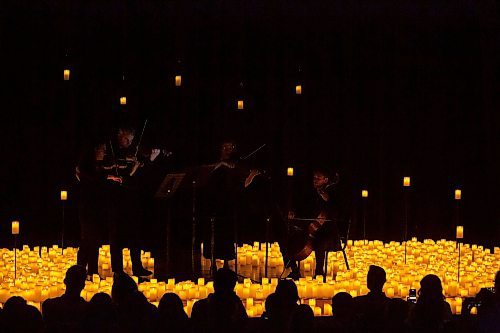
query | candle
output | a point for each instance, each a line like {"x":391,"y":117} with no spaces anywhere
{"x":66,"y":74}
{"x":406,"y":181}
{"x":240,"y":104}
{"x":64,"y":195}
{"x":15,"y":227}
{"x":298,"y":89}
{"x":289,"y":172}
{"x":458,"y":194}
{"x":123,"y":100}
{"x":178,"y":80}
{"x":460,"y":232}
{"x":364,"y":194}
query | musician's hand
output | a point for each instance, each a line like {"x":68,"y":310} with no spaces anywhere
{"x":154,"y":154}
{"x":115,"y":179}
{"x":253,"y":173}
{"x":291,"y":215}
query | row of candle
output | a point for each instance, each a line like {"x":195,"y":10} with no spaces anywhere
{"x":41,"y":273}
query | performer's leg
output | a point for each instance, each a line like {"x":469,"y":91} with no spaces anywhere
{"x":320,"y":251}
{"x":116,"y":257}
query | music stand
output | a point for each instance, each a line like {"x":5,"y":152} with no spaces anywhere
{"x":166,"y":191}
{"x":169,"y":185}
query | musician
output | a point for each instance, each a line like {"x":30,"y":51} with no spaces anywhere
{"x":325,"y":205}
{"x":219,"y":202}
{"x":227,"y":180}
{"x":92,"y":210}
{"x":125,"y":228}
{"x":321,"y":209}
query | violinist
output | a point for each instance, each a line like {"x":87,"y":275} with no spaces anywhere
{"x":124,"y":204}
{"x":227,"y":179}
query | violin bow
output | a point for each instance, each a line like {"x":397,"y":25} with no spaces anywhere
{"x":140,"y":138}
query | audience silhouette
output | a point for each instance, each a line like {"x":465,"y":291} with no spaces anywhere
{"x":19,"y":317}
{"x":67,"y":312}
{"x":342,"y":312}
{"x":281,"y":306}
{"x":171,"y":314}
{"x":431,"y":312}
{"x":221,"y":311}
{"x":135,"y":313}
{"x":102,"y":315}
{"x":128,"y":310}
{"x":370,"y":309}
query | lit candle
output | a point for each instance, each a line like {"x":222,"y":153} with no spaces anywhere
{"x":298,"y":89}
{"x":364,"y":194}
{"x":240,"y":105}
{"x":289,"y":172}
{"x":64,"y":195}
{"x":123,"y":100}
{"x":460,"y":232}
{"x":15,"y":227}
{"x":406,"y":181}
{"x":458,"y":194}
{"x":178,"y":80}
{"x":66,"y":74}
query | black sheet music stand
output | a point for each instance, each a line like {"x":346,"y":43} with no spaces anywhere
{"x":169,"y":185}
{"x":166,"y":191}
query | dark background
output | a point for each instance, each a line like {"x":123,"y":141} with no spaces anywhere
{"x":390,"y":88}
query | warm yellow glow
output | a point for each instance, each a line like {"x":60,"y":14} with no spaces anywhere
{"x":289,"y":172}
{"x":178,"y":80}
{"x":123,"y":100}
{"x":40,"y":273}
{"x":240,"y":105}
{"x":458,"y":194}
{"x":66,"y":74}
{"x":64,"y":195}
{"x":460,"y":232}
{"x":364,"y":193}
{"x":15,"y":227}
{"x":406,"y":181}
{"x":298,"y":89}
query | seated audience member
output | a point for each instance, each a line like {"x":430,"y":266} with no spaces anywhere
{"x":19,"y":317}
{"x":342,"y":312}
{"x":66,"y":313}
{"x":396,"y":314}
{"x":281,"y":306}
{"x":171,"y":315}
{"x":488,"y":314}
{"x":101,"y":315}
{"x":431,"y":312}
{"x":135,"y":313}
{"x":303,"y":320}
{"x":221,"y":311}
{"x":369,"y":309}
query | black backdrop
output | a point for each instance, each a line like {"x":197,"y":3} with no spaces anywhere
{"x":389,"y":89}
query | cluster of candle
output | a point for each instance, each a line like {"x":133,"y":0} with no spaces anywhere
{"x":252,"y":260}
{"x":104,"y":261}
{"x":40,"y":273}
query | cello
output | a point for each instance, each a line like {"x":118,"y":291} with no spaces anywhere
{"x":301,"y":240}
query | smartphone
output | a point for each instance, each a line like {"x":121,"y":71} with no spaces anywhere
{"x":412,"y":296}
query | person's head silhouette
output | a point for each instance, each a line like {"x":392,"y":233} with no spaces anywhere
{"x":75,"y":279}
{"x":171,"y":307}
{"x":342,"y":305}
{"x":224,"y":280}
{"x":376,"y":278}
{"x":430,"y":289}
{"x":286,"y":290}
{"x":123,"y":287}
